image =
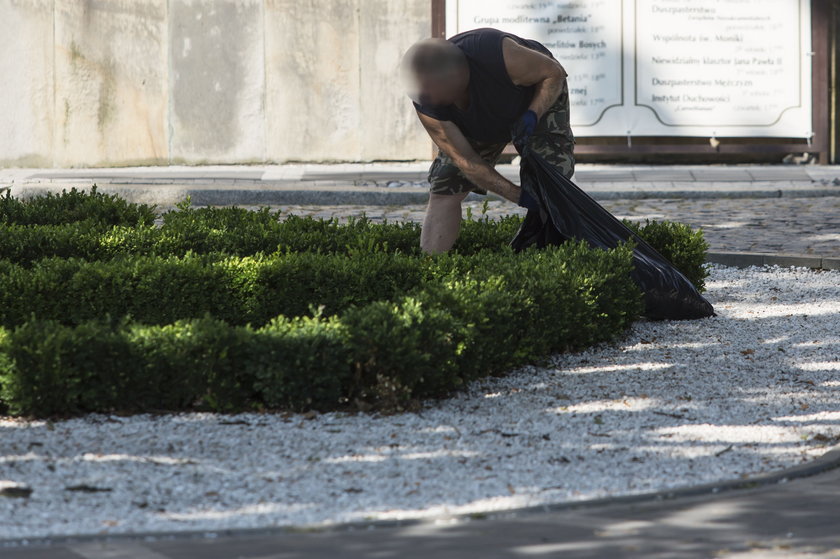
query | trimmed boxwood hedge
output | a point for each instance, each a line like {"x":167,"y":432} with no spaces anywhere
{"x":239,"y":290}
{"x":232,"y":231}
{"x":503,"y":310}
{"x":237,"y":232}
{"x":240,"y":232}
{"x":91,"y":208}
{"x":227,"y":309}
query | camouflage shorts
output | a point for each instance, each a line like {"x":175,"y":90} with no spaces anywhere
{"x":553,"y":139}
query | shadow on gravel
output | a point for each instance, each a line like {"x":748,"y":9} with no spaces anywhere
{"x":674,"y":403}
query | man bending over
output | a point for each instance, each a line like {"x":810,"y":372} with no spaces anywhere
{"x":474,"y":93}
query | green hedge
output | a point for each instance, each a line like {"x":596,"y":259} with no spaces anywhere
{"x":230,"y":310}
{"x":92,"y":208}
{"x":239,"y":290}
{"x":505,"y":310}
{"x":178,"y":237}
{"x":238,"y":232}
{"x":95,"y":226}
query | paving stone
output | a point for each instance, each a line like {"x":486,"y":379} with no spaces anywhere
{"x":774,"y":173}
{"x":723,"y":174}
{"x":655,"y":175}
{"x":605,"y":176}
{"x":802,"y":226}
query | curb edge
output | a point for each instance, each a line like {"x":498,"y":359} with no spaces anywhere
{"x":747,"y":259}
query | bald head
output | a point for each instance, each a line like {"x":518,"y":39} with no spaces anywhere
{"x":434,"y":57}
{"x":435,"y":71}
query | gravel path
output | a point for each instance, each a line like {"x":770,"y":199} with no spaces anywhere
{"x":753,"y":390}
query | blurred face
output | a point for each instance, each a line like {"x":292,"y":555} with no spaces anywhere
{"x":435,"y":72}
{"x":435,"y":90}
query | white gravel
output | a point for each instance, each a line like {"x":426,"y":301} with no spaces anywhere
{"x":753,"y":390}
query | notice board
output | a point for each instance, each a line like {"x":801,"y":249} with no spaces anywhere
{"x":710,"y":68}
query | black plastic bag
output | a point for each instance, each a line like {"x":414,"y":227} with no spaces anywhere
{"x":567,"y":212}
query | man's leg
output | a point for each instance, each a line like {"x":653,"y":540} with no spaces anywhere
{"x":442,"y":222}
{"x":449,"y":187}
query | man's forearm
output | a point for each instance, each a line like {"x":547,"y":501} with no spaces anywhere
{"x":546,"y":93}
{"x":485,"y":176}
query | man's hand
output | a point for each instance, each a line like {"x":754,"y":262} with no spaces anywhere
{"x":522,"y":130}
{"x":527,"y":201}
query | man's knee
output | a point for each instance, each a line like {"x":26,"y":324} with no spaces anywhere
{"x":444,"y":212}
{"x":442,"y":222}
{"x":439,"y":201}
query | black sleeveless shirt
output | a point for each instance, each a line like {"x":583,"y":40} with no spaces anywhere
{"x":495,"y":101}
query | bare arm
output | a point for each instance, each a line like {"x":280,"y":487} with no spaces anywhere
{"x":453,"y":143}
{"x":528,"y":67}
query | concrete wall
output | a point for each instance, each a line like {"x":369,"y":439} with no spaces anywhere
{"x":26,"y":95}
{"x":110,"y":82}
{"x":126,"y":82}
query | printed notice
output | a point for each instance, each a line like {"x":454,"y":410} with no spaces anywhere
{"x":668,"y":67}
{"x":718,"y":64}
{"x":585,"y":36}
